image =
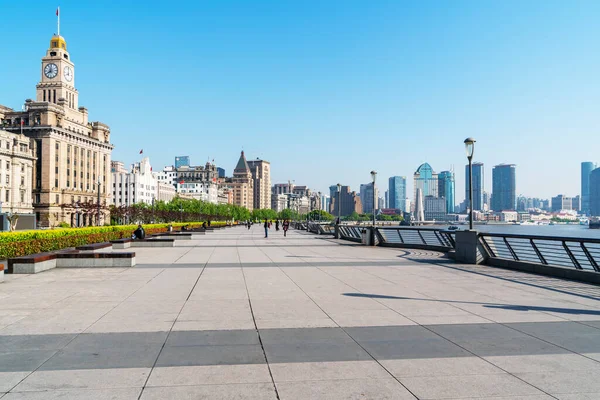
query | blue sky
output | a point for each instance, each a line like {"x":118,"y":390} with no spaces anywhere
{"x":329,"y":90}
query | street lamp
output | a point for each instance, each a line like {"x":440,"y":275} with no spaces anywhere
{"x":339,"y":207}
{"x":99,"y":184}
{"x":470,"y":148}
{"x":374,"y":178}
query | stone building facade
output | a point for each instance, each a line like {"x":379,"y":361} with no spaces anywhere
{"x":73,"y":154}
{"x":242,"y":184}
{"x":261,"y":175}
{"x":17,"y":163}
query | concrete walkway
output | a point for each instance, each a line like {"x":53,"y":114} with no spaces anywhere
{"x":232,"y":315}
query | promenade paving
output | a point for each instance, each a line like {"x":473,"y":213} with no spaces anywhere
{"x":232,"y":315}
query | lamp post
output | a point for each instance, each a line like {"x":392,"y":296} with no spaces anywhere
{"x":470,"y":147}
{"x":99,"y":184}
{"x":339,"y":207}
{"x":374,"y":178}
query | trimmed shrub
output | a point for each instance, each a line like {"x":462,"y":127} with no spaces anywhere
{"x":22,"y":243}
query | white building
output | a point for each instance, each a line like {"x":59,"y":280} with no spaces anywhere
{"x":279,"y":202}
{"x":17,"y":158}
{"x":205,"y":191}
{"x":165,"y":192}
{"x":135,"y":186}
{"x":167,"y":175}
{"x":325,"y":202}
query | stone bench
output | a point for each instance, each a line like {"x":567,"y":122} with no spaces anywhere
{"x":121,"y":243}
{"x":94,"y":246}
{"x":33,"y":263}
{"x":173,"y":235}
{"x":95,"y":260}
{"x":152,"y":242}
{"x":69,"y":258}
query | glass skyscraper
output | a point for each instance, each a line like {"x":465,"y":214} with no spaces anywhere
{"x":446,"y":189}
{"x":594,"y":193}
{"x":182,"y":161}
{"x":478,"y":185}
{"x":426,"y":180}
{"x":397,"y":193}
{"x":504,"y":188}
{"x":586,"y":169}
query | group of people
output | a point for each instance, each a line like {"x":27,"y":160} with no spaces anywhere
{"x":267,"y":225}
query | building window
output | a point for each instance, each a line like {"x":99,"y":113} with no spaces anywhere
{"x":22,"y":196}
{"x":44,"y":94}
{"x":54,"y":94}
{"x":37,"y":198}
{"x":57,"y":200}
{"x":56,"y":170}
{"x":8,"y":165}
{"x":56,"y":183}
{"x":7,"y":179}
{"x":22,"y":181}
{"x":7,"y":199}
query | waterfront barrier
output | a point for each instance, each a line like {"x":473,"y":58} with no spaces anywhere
{"x":564,"y":257}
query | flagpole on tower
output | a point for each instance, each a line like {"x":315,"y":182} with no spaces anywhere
{"x":58,"y":17}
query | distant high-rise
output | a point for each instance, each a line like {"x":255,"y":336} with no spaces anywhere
{"x":261,"y":174}
{"x":586,"y":169}
{"x":366,"y":197}
{"x":182,"y":161}
{"x":504,"y":187}
{"x":594,"y":192}
{"x":221,"y":172}
{"x":387,"y":199}
{"x":397,"y":193}
{"x":478,"y":185}
{"x":348,"y":201}
{"x":561,"y":202}
{"x":426,"y":180}
{"x":446,"y":189}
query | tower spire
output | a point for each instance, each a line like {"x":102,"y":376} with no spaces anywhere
{"x":58,"y":20}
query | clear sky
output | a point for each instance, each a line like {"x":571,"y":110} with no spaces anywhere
{"x":329,"y":90}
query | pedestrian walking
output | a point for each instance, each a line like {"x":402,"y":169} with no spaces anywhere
{"x":266,"y":228}
{"x":276,"y":224}
{"x":286,"y":226}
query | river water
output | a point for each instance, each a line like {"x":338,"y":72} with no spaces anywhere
{"x":581,"y":231}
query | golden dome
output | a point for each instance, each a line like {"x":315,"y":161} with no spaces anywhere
{"x":58,"y":42}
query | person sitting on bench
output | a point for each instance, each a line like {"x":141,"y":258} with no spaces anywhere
{"x":139,"y":233}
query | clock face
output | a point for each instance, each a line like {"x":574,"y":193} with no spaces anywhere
{"x":68,"y":73}
{"x":50,"y":70}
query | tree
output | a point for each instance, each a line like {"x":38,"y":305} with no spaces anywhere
{"x":320,"y":215}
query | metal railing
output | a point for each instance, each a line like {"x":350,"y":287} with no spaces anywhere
{"x":418,"y":238}
{"x":422,"y":238}
{"x":569,"y":252}
{"x":321,"y":228}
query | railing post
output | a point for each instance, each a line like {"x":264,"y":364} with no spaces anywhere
{"x":571,"y":256}
{"x":538,"y":252}
{"x":511,"y":250}
{"x":590,"y":257}
{"x":467,"y":247}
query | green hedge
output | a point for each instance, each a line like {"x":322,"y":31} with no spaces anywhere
{"x":22,"y":243}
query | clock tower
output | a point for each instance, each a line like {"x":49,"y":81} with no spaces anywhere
{"x":72,"y":154}
{"x":58,"y":76}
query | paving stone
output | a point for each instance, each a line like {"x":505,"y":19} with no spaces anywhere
{"x":78,"y":394}
{"x":209,"y":375}
{"x":84,"y":379}
{"x":344,"y":389}
{"x":258,"y":391}
{"x":210,"y":355}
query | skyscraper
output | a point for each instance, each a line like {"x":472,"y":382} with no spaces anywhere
{"x":504,"y":187}
{"x":586,"y":170}
{"x":182,"y":161}
{"x":594,"y":192}
{"x":397,"y":193}
{"x":446,"y":189}
{"x":478,"y":185}
{"x":347,"y":201}
{"x":366,"y":197}
{"x":426,"y":180}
